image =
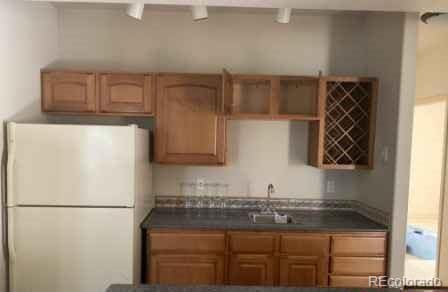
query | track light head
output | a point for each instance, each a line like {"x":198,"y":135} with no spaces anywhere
{"x":199,"y":12}
{"x":283,"y":15}
{"x":135,"y":10}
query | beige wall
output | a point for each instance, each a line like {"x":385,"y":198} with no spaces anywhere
{"x":432,"y":64}
{"x":168,"y":40}
{"x":377,"y":185}
{"x":432,"y":59}
{"x":29,"y":41}
{"x":427,"y":160}
{"x":387,"y":186}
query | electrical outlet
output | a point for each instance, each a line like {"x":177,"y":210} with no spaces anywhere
{"x":385,"y":154}
{"x":200,"y":184}
{"x":331,"y":186}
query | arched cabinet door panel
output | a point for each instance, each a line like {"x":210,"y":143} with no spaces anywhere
{"x":68,"y":92}
{"x":126,"y":93}
{"x":190,"y":124}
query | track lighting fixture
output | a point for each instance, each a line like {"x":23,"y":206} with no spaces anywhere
{"x":283,"y":15}
{"x":199,"y":12}
{"x":135,"y":10}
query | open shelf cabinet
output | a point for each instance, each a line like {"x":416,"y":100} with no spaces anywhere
{"x":271,"y":97}
{"x":344,"y":138}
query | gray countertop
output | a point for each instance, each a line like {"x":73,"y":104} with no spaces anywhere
{"x":164,"y":288}
{"x":237,"y":219}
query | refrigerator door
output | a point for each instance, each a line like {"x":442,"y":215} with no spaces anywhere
{"x":70,"y":249}
{"x":71,"y":165}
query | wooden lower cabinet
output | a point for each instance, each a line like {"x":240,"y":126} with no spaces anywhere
{"x":187,"y":269}
{"x":299,"y":259}
{"x":250,"y":269}
{"x":349,"y":281}
{"x":303,"y":271}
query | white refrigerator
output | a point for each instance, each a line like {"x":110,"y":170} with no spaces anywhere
{"x":76,"y":196}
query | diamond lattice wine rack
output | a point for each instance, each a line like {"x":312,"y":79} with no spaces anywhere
{"x":344,"y":137}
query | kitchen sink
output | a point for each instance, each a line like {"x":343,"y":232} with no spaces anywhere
{"x":270,"y":218}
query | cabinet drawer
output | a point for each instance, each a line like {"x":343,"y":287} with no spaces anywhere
{"x":252,"y":242}
{"x":191,"y":242}
{"x":358,"y":246}
{"x":357,"y":266}
{"x":308,"y":245}
{"x":350,"y":281}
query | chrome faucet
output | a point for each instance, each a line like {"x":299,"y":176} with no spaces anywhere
{"x":271,"y":191}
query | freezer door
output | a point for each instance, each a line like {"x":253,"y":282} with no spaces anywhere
{"x":71,"y":165}
{"x":70,"y":249}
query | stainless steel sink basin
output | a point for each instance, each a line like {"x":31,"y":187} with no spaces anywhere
{"x":269,"y":218}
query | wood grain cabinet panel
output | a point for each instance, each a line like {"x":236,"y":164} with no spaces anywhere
{"x":126,"y":93}
{"x":251,"y":269}
{"x":349,"y":281}
{"x":258,"y":242}
{"x":190,"y":125}
{"x":303,"y":271}
{"x":187,"y":269}
{"x":68,"y":92}
{"x":188,"y":241}
{"x":368,"y":266}
{"x":358,"y":246}
{"x":301,"y":244}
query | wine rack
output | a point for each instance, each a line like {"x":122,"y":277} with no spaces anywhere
{"x":345,"y":133}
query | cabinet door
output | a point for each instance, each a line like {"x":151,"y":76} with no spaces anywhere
{"x":125,"y":93}
{"x":68,"y":92}
{"x":249,"y":269}
{"x":303,"y":271}
{"x":190,"y":126}
{"x":187,"y":269}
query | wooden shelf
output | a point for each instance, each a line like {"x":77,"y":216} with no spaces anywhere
{"x":270,"y":97}
{"x":298,"y":96}
{"x":251,"y":95}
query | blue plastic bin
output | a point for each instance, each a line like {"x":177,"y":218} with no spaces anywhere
{"x":421,"y":243}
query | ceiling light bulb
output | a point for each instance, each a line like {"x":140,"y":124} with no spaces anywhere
{"x":199,"y":12}
{"x":283,"y":15}
{"x":135,"y":10}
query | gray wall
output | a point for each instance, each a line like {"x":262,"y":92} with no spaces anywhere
{"x":29,"y":42}
{"x":387,"y":186}
{"x":168,"y":40}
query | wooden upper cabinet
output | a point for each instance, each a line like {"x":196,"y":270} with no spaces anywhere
{"x":345,"y":136}
{"x":190,"y":125}
{"x":126,"y":93}
{"x":68,"y":92}
{"x":271,"y":97}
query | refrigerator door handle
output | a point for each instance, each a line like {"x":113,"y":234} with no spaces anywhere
{"x":11,"y":250}
{"x":3,"y":183}
{"x":10,"y":161}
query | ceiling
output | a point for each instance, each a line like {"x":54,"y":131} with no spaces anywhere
{"x":348,"y":5}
